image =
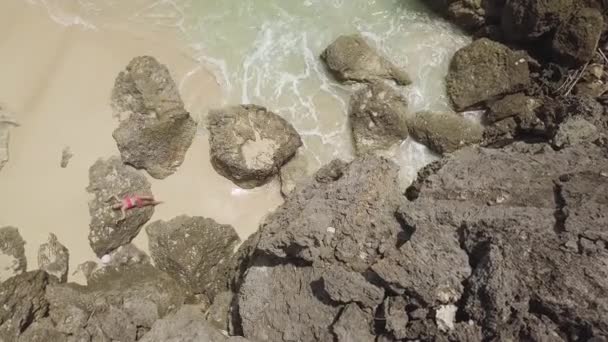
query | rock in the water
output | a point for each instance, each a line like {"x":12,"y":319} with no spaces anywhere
{"x":194,"y":250}
{"x":469,"y":15}
{"x":66,"y":155}
{"x":6,"y":123}
{"x":378,"y":118}
{"x":158,"y":130}
{"x":12,"y":253}
{"x":354,"y":325}
{"x":574,"y":131}
{"x":249,"y":144}
{"x":296,"y":172}
{"x":119,"y":304}
{"x":444,"y":132}
{"x":526,"y":20}
{"x":524,"y":222}
{"x":576,"y":40}
{"x":22,"y":302}
{"x":109,"y":178}
{"x":483,"y":71}
{"x":187,"y":325}
{"x":351,"y":59}
{"x":54,"y":258}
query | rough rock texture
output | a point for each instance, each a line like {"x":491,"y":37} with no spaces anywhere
{"x":66,"y":155}
{"x":575,"y":41}
{"x":467,"y":14}
{"x":119,"y":304}
{"x":351,"y":59}
{"x":555,"y":113}
{"x":526,"y":20}
{"x":516,"y":105}
{"x":186,"y":325}
{"x":126,"y":255}
{"x":12,"y":253}
{"x":377,"y":117}
{"x":158,"y":130}
{"x":22,"y":302}
{"x":54,"y":258}
{"x":575,"y":131}
{"x":218,"y":313}
{"x":194,"y":250}
{"x":109,"y":178}
{"x":296,"y":172}
{"x":485,"y":70}
{"x":353,"y":325}
{"x":444,"y":132}
{"x":530,"y":220}
{"x":6,"y":123}
{"x":249,"y":144}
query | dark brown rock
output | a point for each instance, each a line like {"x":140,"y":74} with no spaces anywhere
{"x":526,"y":20}
{"x":576,"y":40}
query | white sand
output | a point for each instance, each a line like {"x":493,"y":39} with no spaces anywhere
{"x":57,"y":81}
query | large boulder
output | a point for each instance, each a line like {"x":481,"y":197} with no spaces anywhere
{"x":485,"y":70}
{"x":22,"y":302}
{"x":576,"y":40}
{"x":12,"y":253}
{"x":6,"y":123}
{"x":444,"y":132}
{"x":194,"y":250}
{"x":119,"y":304}
{"x":526,"y":20}
{"x":109,"y":178}
{"x":54,"y":258}
{"x":529,"y":219}
{"x":158,"y":130}
{"x":351,"y":59}
{"x":249,"y":144}
{"x":187,"y":325}
{"x":378,"y":118}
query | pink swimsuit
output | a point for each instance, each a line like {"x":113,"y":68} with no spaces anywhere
{"x":130,"y":202}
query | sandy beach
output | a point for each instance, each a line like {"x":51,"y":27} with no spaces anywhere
{"x":57,"y":81}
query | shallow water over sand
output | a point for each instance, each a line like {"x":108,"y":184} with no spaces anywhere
{"x":60,"y":59}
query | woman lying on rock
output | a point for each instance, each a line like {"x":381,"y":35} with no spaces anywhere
{"x":130,"y":202}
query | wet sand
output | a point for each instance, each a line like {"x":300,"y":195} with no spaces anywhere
{"x":57,"y":81}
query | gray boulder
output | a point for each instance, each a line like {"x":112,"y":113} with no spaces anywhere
{"x":444,"y":132}
{"x":194,"y":250}
{"x":575,"y":131}
{"x":158,"y":130}
{"x":218,"y":313}
{"x":351,"y":59}
{"x":249,"y":144}
{"x":186,"y":325}
{"x":576,"y":40}
{"x":12,"y":253}
{"x":378,"y":118}
{"x":22,"y":302}
{"x":119,"y":304}
{"x":109,"y":178}
{"x":6,"y":123}
{"x":296,"y":172}
{"x":485,"y":70}
{"x":54,"y":258}
{"x":353,"y":325}
{"x":534,"y":241}
{"x":527,"y":20}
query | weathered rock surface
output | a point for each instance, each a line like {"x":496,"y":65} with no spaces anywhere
{"x":351,"y":59}
{"x":378,"y":118}
{"x":444,"y":132}
{"x":22,"y":302}
{"x":296,"y":172}
{"x":353,"y":325}
{"x":187,"y":325}
{"x":109,"y":178}
{"x":218,"y":313}
{"x":531,"y":274}
{"x":516,"y":105}
{"x":485,"y":70}
{"x":158,"y":130}
{"x":559,"y":111}
{"x":575,"y":131}
{"x":12,"y":253}
{"x":119,"y":304}
{"x":526,"y":20}
{"x":54,"y":258}
{"x":194,"y":250}
{"x":6,"y":123}
{"x":249,"y":144}
{"x":576,"y":40}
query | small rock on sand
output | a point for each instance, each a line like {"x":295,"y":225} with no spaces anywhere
{"x":12,"y":253}
{"x":54,"y":258}
{"x":6,"y":123}
{"x":249,"y":144}
{"x":66,"y":155}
